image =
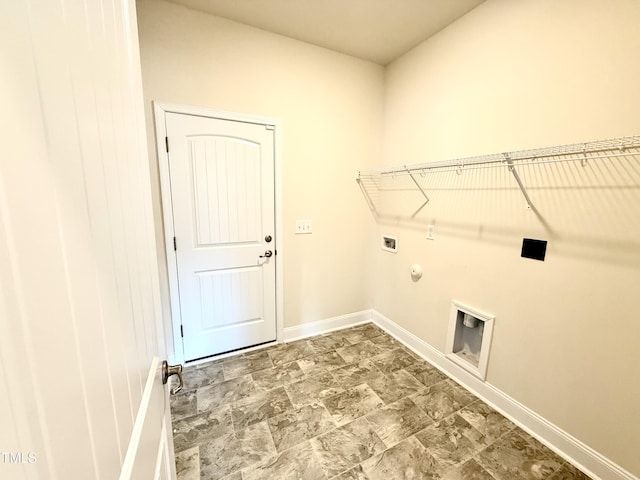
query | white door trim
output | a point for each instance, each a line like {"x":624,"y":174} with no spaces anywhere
{"x":160,"y":109}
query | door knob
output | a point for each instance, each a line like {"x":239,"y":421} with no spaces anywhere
{"x":167,"y":371}
{"x":267,"y":254}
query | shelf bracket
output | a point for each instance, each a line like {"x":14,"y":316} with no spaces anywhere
{"x":530,"y":205}
{"x":417,"y":184}
{"x":512,"y":169}
{"x":426,"y":198}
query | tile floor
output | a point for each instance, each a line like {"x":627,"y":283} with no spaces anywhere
{"x":351,"y":404}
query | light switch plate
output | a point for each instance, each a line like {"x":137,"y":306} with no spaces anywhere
{"x":303,"y":226}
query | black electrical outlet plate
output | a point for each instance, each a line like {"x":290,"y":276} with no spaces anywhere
{"x":535,"y":249}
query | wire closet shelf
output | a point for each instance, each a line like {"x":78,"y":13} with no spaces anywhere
{"x":577,"y":152}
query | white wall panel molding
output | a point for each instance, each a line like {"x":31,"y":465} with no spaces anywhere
{"x":79,"y":299}
{"x":570,"y":448}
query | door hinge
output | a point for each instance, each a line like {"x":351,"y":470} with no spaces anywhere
{"x":175,"y":245}
{"x":166,"y":143}
{"x":181,"y":332}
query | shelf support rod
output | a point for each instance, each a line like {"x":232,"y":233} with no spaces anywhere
{"x":513,"y":171}
{"x":417,"y":184}
{"x":426,"y":199}
{"x":530,"y":204}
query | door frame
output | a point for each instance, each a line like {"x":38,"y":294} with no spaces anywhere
{"x":160,"y":109}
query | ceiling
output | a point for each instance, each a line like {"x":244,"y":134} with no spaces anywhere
{"x":375,"y":30}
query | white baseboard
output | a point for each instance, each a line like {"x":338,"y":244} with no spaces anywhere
{"x":327,"y":325}
{"x":571,"y":449}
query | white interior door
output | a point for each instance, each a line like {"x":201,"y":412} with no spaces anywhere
{"x":222,"y":195}
{"x":150,"y":451}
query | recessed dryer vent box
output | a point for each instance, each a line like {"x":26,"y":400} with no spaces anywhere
{"x":535,"y":249}
{"x":389,"y":243}
{"x":469,"y":339}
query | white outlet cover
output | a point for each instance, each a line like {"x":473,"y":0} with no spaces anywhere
{"x":430,"y":230}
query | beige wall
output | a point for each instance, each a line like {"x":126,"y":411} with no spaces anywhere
{"x":509,"y":76}
{"x":330,"y":107}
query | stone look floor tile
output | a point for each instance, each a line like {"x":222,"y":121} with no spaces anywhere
{"x":315,"y":409}
{"x":356,"y":373}
{"x":568,"y":472}
{"x":397,"y":385}
{"x":352,"y":403}
{"x":451,"y":442}
{"x":385,"y":341}
{"x":327,"y":342}
{"x":202,"y":375}
{"x":193,"y":430}
{"x":426,"y":374}
{"x":518,"y":456}
{"x":233,"y":476}
{"x":260,"y":407}
{"x":354,"y":337}
{"x":313,"y":388}
{"x":213,"y":396}
{"x":226,"y":455}
{"x":397,"y":421}
{"x":236,"y":367}
{"x":346,"y":446}
{"x":460,"y":395}
{"x":260,"y":351}
{"x":290,"y":352}
{"x":188,"y":464}
{"x":405,"y":380}
{"x":184,"y":404}
{"x":321,"y":362}
{"x":278,"y":376}
{"x":486,"y":420}
{"x":369,"y":327}
{"x":299,"y":462}
{"x":393,"y":360}
{"x":209,"y":363}
{"x":406,"y":460}
{"x":294,"y":427}
{"x":361,"y":333}
{"x":442,"y":399}
{"x":356,"y":473}
{"x":359,"y":351}
{"x":471,"y":470}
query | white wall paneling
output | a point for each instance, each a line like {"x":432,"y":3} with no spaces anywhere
{"x":79,"y":299}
